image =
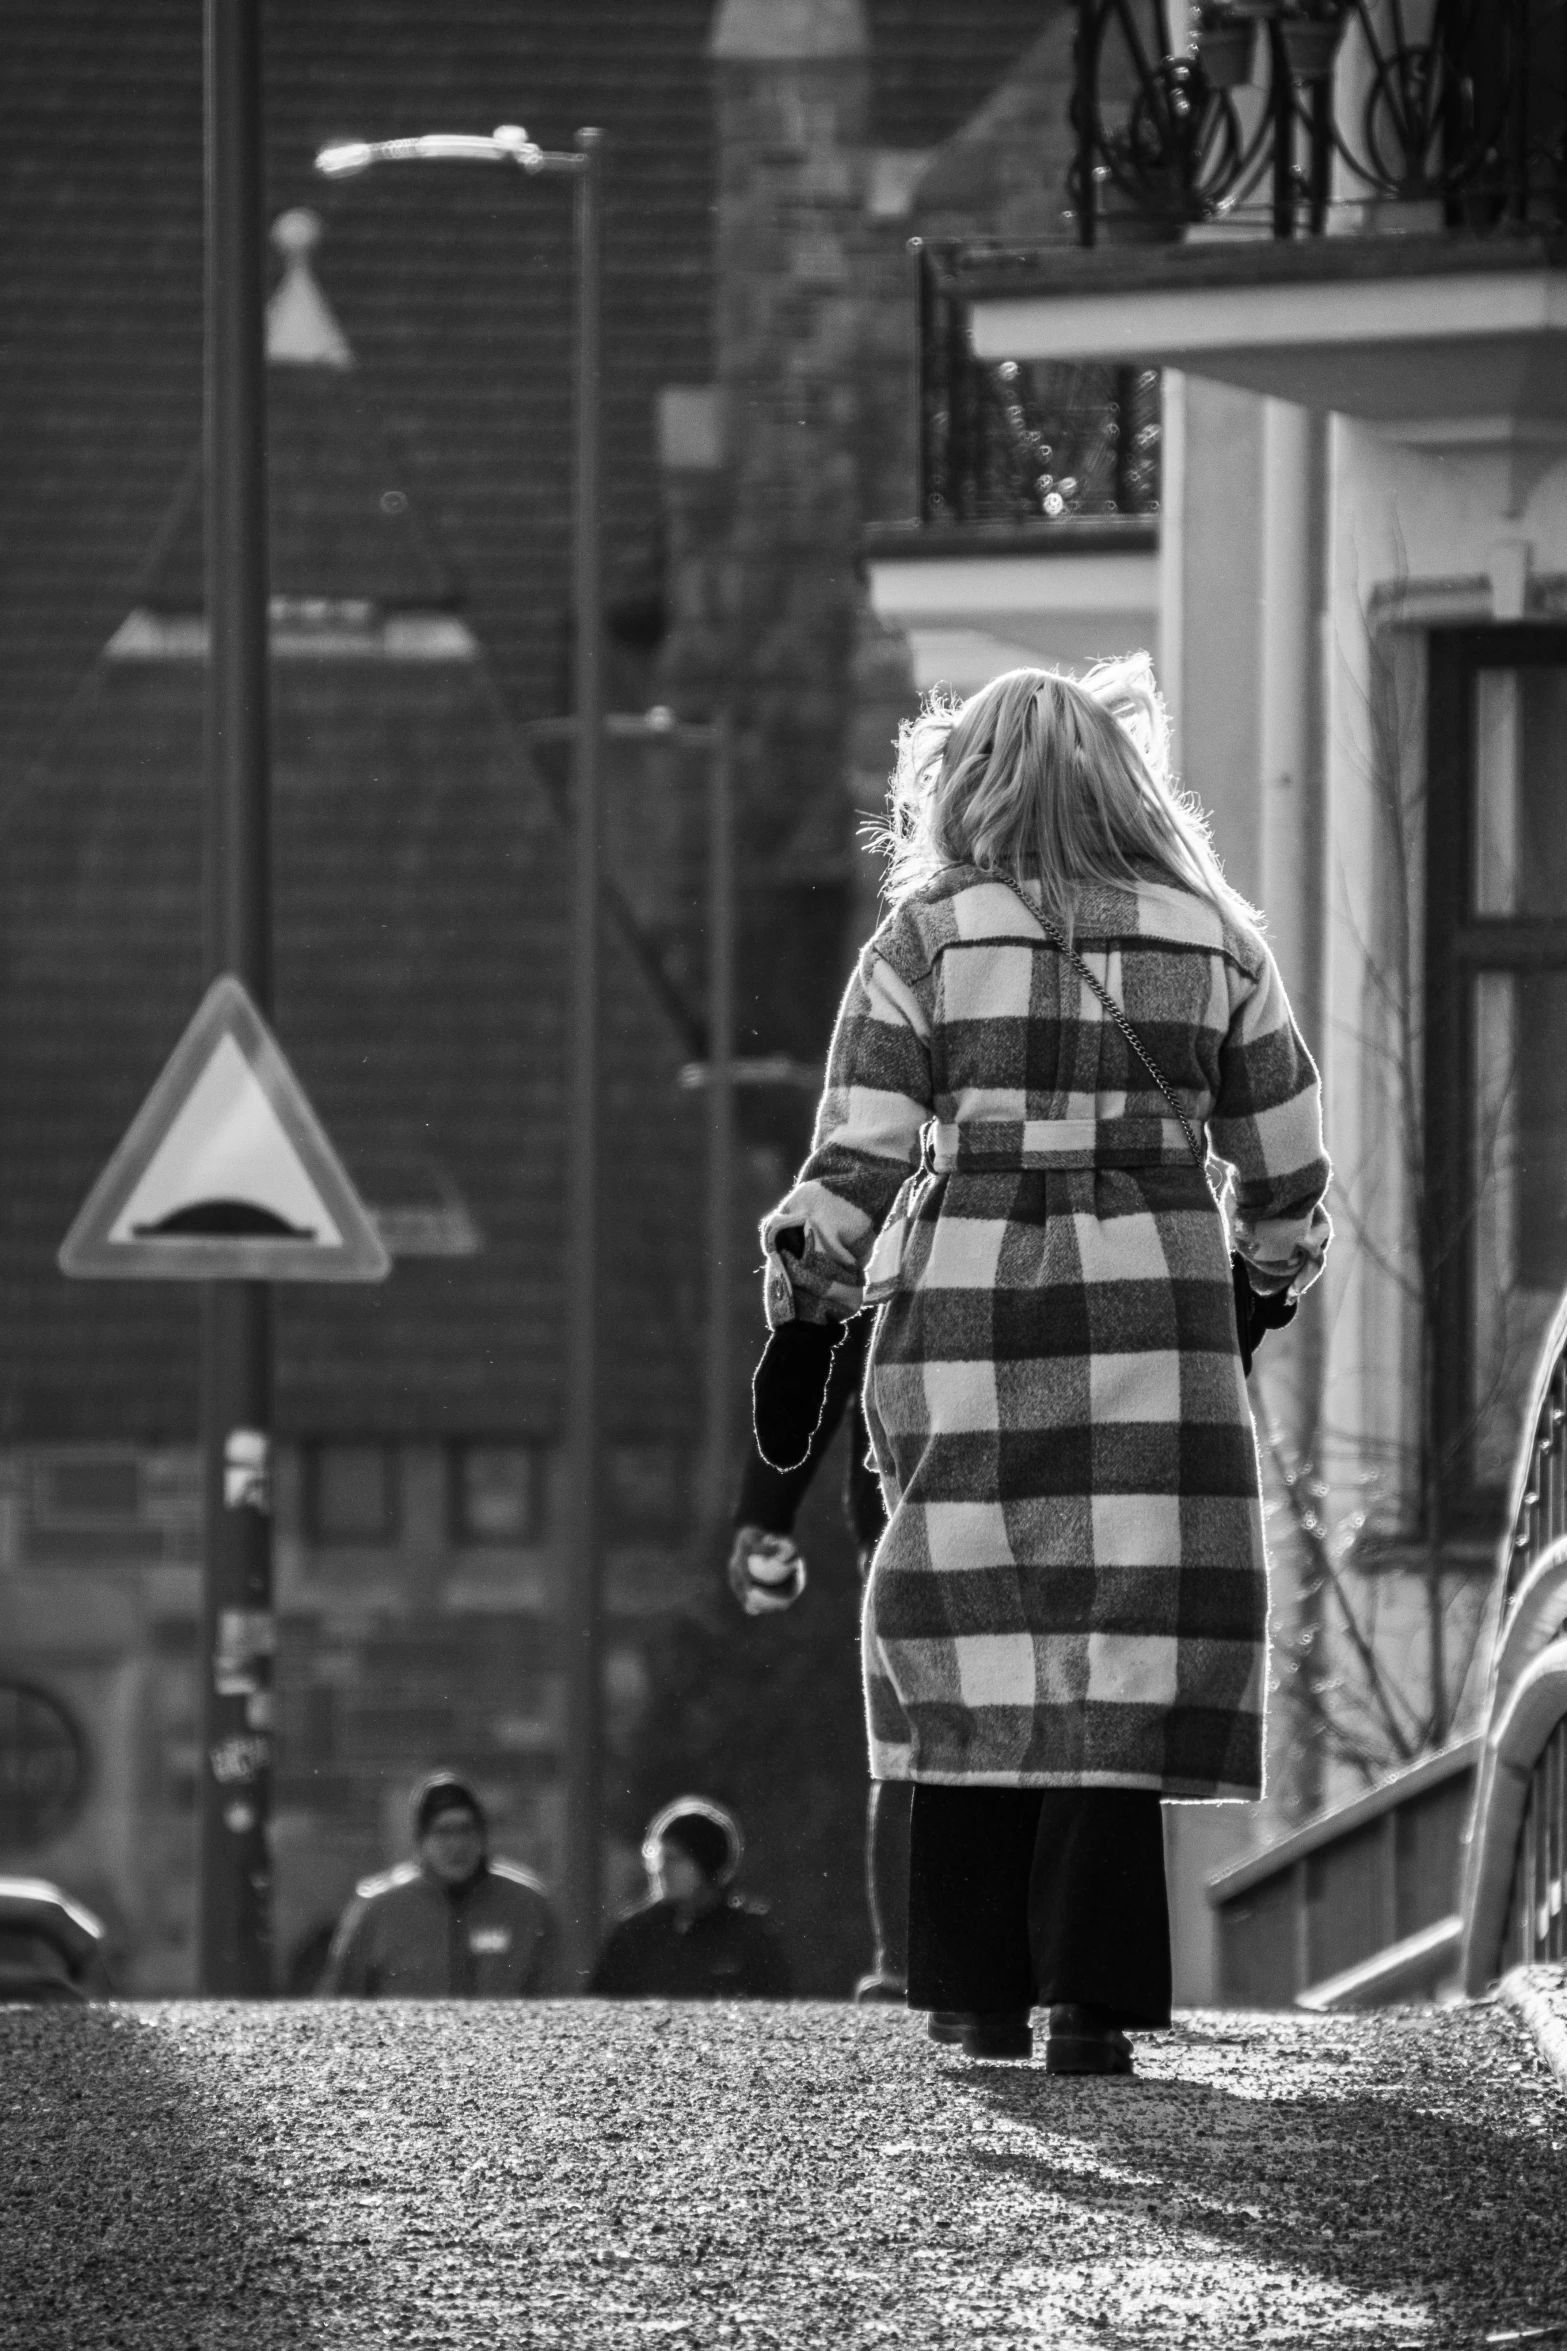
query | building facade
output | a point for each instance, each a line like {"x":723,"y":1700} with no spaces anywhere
{"x":1333,"y":241}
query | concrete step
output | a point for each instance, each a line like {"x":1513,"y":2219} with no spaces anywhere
{"x":805,"y":2177}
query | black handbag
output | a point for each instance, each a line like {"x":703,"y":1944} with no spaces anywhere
{"x":1254,"y":1312}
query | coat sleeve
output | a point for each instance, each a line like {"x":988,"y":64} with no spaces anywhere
{"x":1267,"y":1123}
{"x":770,"y":1498}
{"x":867,"y":1142}
{"x":349,"y":1973}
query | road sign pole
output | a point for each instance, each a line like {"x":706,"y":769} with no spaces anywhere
{"x":720,"y":1116}
{"x":236,"y":1938}
{"x":582,"y":1608}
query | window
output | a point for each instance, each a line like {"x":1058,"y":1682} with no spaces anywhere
{"x":497,"y":1493}
{"x":90,"y":1491}
{"x":43,"y":1767}
{"x":647,"y":1488}
{"x":351,"y":1493}
{"x":1496,"y":1074}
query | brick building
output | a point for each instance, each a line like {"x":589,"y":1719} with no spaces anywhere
{"x":757,"y":379}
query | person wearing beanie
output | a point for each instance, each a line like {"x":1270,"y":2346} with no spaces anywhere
{"x":767,"y":1574}
{"x":452,"y":1924}
{"x":693,"y":1938}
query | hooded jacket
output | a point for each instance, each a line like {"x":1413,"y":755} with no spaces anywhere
{"x":406,"y":1936}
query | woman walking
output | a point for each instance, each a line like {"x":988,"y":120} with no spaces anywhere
{"x":1065,"y":1619}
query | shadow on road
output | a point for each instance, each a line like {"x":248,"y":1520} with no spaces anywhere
{"x":1374,"y":2192}
{"x":134,"y":2199}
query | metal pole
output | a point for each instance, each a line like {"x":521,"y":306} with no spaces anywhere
{"x":1281,"y":98}
{"x":580,"y":1551}
{"x":720,"y":1110}
{"x":236,"y":1405}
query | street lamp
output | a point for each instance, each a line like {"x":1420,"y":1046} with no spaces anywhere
{"x":511,"y":145}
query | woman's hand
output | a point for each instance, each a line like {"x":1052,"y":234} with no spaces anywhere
{"x":766,"y":1572}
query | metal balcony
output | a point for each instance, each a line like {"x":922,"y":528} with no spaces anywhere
{"x":1028,"y":445}
{"x":1304,"y":115}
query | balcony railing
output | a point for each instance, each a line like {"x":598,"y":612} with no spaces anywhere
{"x":1034,"y":444}
{"x":1287,"y":114}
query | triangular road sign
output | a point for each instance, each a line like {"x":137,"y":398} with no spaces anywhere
{"x":226,"y":1173}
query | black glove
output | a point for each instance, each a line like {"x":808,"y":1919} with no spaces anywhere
{"x":790,"y":1389}
{"x":1257,"y":1311}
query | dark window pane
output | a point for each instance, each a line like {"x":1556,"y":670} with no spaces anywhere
{"x":42,"y":1767}
{"x":1520,"y":1197}
{"x":352,"y":1494}
{"x":87,"y":1491}
{"x":499,"y":1494}
{"x":646,"y":1488}
{"x":1520,"y":771}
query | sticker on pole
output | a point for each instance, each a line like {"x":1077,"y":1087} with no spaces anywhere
{"x":226,"y":1173}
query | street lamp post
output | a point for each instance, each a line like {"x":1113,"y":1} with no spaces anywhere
{"x":235,"y":1940}
{"x":580,"y":1548}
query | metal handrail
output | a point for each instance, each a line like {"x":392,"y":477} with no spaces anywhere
{"x":1515,"y":1877}
{"x":1512,"y":1894}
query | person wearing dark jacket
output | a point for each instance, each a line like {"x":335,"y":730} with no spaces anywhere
{"x":694,"y":1938}
{"x":454,"y":1924}
{"x":766,"y":1574}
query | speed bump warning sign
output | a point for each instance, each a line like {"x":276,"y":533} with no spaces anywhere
{"x":225,"y":1173}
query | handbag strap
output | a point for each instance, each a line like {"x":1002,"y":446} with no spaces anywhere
{"x":1065,"y":947}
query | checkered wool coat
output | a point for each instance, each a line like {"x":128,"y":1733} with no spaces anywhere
{"x":1072,"y":1587}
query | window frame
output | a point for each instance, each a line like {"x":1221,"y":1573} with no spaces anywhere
{"x":389,"y":1533}
{"x":1461,"y":945}
{"x":536,"y":1451}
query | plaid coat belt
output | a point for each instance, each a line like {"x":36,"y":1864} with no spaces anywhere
{"x":1010,"y":1146}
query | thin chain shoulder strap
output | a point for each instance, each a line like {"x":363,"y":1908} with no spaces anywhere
{"x":1064,"y":946}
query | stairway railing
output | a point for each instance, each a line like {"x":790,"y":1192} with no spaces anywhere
{"x":1516,"y":1865}
{"x":1457,"y":1865}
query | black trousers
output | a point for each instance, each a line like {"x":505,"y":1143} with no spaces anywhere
{"x":1027,"y":1896}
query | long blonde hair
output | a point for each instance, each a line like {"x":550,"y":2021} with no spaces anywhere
{"x":1046,"y":778}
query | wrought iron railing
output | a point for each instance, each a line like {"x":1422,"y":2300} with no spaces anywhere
{"x":1536,"y":1925}
{"x":1537,"y":1917}
{"x":1516,"y":1872}
{"x":1540,"y":1508}
{"x":1015,"y":443}
{"x":1280,"y":109}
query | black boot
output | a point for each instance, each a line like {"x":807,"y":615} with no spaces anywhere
{"x":995,"y":2032}
{"x":1002,"y":2032}
{"x":1080,"y":2043}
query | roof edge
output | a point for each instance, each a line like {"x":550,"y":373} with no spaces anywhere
{"x":788,"y":32}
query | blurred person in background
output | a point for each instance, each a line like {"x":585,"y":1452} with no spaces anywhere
{"x":453,"y":1924}
{"x":767,"y":1575}
{"x":693,"y":1938}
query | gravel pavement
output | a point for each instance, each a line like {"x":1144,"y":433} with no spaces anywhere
{"x":802,"y":2177}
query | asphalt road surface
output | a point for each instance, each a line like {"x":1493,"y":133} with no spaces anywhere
{"x":807,"y":2177}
